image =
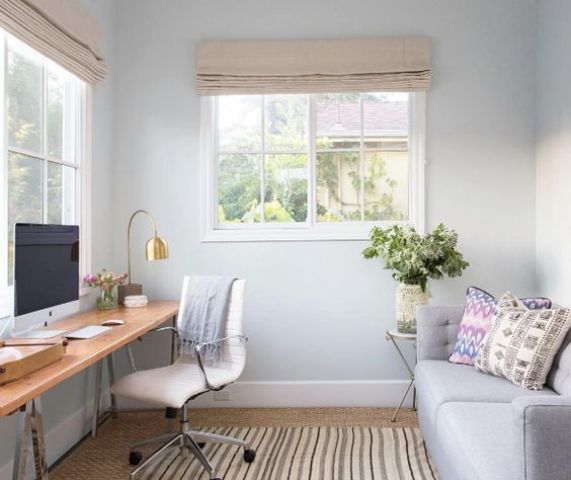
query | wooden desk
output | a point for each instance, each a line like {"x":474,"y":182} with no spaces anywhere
{"x":23,"y":394}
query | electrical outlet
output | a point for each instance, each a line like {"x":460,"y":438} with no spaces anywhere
{"x":222,"y":396}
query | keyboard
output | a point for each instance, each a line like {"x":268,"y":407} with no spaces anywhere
{"x":87,"y":332}
{"x":39,"y":334}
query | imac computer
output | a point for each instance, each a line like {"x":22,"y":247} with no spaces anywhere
{"x":46,"y":276}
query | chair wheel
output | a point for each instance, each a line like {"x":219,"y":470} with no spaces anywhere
{"x":135,"y":457}
{"x":249,"y":455}
{"x":202,"y":445}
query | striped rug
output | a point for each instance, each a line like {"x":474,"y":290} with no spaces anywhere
{"x":304,"y":453}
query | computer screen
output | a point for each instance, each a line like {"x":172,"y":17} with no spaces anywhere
{"x":46,"y":266}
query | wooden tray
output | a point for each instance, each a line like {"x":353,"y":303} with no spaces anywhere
{"x":19,"y":357}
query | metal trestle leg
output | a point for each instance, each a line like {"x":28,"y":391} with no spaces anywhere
{"x":30,"y":423}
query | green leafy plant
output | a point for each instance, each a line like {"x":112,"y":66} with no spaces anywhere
{"x":415,"y":258}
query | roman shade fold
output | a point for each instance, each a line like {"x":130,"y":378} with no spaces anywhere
{"x":311,"y":66}
{"x":62,"y":30}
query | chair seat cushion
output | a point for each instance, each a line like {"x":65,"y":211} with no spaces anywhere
{"x":170,"y":386}
{"x":479,"y":438}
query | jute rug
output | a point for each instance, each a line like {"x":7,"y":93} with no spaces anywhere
{"x":292,"y":444}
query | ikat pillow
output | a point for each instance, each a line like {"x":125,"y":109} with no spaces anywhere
{"x":476,"y":321}
{"x":521,"y":343}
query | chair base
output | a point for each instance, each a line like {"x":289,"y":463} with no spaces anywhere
{"x":186,"y":440}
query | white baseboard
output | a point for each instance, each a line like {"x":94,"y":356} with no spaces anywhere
{"x":358,"y":393}
{"x":60,"y":438}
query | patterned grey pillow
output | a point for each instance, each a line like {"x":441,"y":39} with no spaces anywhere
{"x":522,"y":343}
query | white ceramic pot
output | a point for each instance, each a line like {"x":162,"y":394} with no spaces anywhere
{"x":408,"y":298}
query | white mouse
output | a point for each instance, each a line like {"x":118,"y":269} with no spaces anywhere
{"x":112,"y":323}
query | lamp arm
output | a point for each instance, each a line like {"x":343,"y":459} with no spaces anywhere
{"x":129,"y":237}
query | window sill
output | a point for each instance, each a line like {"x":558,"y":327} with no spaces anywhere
{"x":324,"y":233}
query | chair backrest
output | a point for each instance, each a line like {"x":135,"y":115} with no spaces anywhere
{"x":233,"y":355}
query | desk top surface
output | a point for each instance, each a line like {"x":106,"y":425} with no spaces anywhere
{"x":82,"y":353}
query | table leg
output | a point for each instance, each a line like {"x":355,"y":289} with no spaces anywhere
{"x":403,"y":358}
{"x":21,"y":453}
{"x":30,"y":422}
{"x":96,"y":398}
{"x":111,"y":373}
{"x":38,"y":440}
{"x":411,"y":377}
{"x":131,"y":358}
{"x":394,"y":419}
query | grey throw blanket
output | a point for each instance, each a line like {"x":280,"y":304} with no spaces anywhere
{"x":204,"y":314}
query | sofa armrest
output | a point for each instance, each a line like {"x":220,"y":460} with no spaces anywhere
{"x":543,"y":437}
{"x":437,"y":329}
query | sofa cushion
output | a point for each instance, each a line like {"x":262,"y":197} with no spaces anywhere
{"x":476,"y":322}
{"x":479,"y":438}
{"x":461,"y":383}
{"x":522,"y":344}
{"x":439,"y":382}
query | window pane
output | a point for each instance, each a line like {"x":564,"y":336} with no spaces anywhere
{"x":285,"y":198}
{"x":239,"y":188}
{"x":385,"y":120}
{"x":240,"y":123}
{"x":338,"y":187}
{"x":338,"y":120}
{"x":286,"y":119}
{"x":61,"y":194}
{"x":55,"y":99}
{"x":24,"y":95}
{"x":24,"y":197}
{"x":386,"y":186}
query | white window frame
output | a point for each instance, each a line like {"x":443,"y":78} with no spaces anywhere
{"x":211,"y":231}
{"x":82,"y":130}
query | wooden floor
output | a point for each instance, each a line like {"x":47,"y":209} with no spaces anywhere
{"x":105,"y":457}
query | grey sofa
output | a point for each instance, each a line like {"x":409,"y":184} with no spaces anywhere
{"x":480,"y":427}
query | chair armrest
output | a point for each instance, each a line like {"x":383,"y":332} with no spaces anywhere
{"x":542,"y":437}
{"x":200,"y":359}
{"x":437,"y":329}
{"x":165,"y":329}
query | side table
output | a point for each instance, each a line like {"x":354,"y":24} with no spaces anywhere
{"x":393,"y":336}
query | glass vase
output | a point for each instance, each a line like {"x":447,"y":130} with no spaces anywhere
{"x":107,"y":299}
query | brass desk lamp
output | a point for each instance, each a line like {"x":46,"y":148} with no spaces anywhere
{"x":156,"y":249}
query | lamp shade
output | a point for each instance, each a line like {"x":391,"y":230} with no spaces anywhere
{"x":157,"y":249}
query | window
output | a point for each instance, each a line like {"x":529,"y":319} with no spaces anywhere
{"x":316,"y":166}
{"x":43,"y":150}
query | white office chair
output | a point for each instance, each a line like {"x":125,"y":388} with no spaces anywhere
{"x":174,"y":386}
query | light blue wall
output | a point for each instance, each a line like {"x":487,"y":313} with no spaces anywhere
{"x":314,"y":310}
{"x":70,"y":396}
{"x":317,"y":310}
{"x":554,"y":149}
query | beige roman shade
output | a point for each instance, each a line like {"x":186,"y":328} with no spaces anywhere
{"x":61,"y":30}
{"x":307,"y":66}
